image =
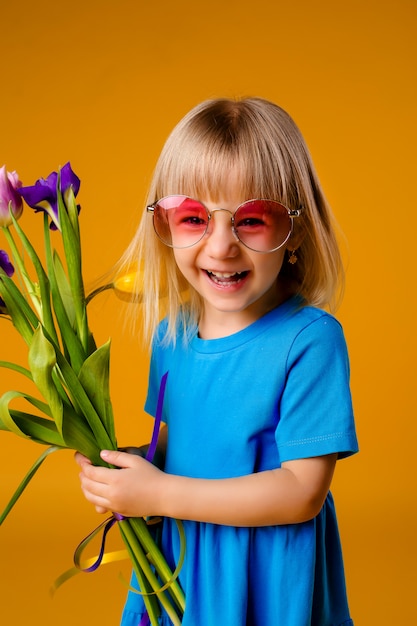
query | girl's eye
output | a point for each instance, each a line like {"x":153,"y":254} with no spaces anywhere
{"x":194,"y":220}
{"x":190,"y":214}
{"x":186,"y":218}
{"x":250,"y":222}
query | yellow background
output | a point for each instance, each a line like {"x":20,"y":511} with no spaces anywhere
{"x":101,"y":84}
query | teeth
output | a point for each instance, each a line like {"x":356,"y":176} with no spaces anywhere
{"x":224,"y":274}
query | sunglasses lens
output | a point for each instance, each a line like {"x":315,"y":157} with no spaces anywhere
{"x":263,"y":225}
{"x":180,"y":221}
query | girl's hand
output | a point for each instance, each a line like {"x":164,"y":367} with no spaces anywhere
{"x":142,"y":451}
{"x":131,"y":490}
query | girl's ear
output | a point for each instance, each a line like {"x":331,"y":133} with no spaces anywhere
{"x":293,"y":244}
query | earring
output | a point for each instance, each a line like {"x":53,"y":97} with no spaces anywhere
{"x":292,"y":258}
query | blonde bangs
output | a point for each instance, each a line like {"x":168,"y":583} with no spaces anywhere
{"x":210,"y":144}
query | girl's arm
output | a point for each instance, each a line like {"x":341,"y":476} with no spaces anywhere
{"x":292,"y":494}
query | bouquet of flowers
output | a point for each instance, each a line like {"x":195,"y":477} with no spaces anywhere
{"x":44,"y":298}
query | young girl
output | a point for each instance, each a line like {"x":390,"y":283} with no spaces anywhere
{"x":257,"y":407}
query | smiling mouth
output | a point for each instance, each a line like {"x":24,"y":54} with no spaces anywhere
{"x":226,"y":278}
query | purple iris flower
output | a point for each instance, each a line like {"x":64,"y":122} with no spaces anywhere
{"x":8,"y":269}
{"x":42,"y":196}
{"x":9,"y":196}
{"x":5,"y":264}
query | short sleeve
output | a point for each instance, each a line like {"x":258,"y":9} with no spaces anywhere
{"x":316,"y":414}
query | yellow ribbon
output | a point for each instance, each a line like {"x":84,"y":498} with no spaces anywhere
{"x":84,"y":566}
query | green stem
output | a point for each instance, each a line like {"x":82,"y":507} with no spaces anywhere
{"x":95,"y":293}
{"x":72,"y":247}
{"x":43,"y":282}
{"x":70,"y":340}
{"x":159,"y":562}
{"x":17,"y":258}
{"x":134,"y":534}
{"x":149,"y":599}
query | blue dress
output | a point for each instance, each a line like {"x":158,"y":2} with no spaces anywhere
{"x":276,"y":391}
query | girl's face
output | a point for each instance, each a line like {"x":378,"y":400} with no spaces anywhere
{"x":237,"y":285}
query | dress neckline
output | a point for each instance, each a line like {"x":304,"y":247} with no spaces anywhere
{"x":223,"y":344}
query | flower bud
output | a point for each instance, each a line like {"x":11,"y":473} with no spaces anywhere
{"x":6,"y":267}
{"x":5,"y":263}
{"x":129,"y":287}
{"x":9,"y":197}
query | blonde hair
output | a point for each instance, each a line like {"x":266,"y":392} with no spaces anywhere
{"x":260,"y":141}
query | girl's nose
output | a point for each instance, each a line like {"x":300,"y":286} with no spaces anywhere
{"x":221,"y":242}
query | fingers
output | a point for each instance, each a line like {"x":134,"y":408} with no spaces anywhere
{"x":95,"y":487}
{"x":81,"y":459}
{"x":101,"y":484}
{"x":114,"y":488}
{"x":119,"y":458}
{"x":98,"y":482}
{"x":141,"y":451}
{"x":101,"y":509}
{"x":95,"y":474}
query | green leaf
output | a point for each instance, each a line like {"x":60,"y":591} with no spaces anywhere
{"x":64,"y":288}
{"x":94,"y":377}
{"x":42,"y":361}
{"x":73,"y":211}
{"x":70,"y":340}
{"x":22,"y":316}
{"x":72,"y":248}
{"x":36,"y":428}
{"x":90,"y":343}
{"x":26,"y":481}
{"x":17,"y":368}
{"x":7,"y":421}
{"x":78,"y":436}
{"x":82,"y":404}
{"x":44,"y":287}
